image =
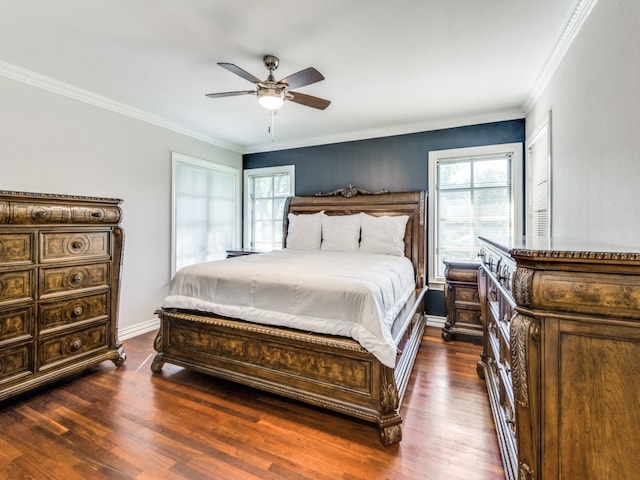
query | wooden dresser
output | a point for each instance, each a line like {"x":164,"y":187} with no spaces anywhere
{"x":561,"y":358}
{"x":461,"y":301}
{"x":60,"y":260}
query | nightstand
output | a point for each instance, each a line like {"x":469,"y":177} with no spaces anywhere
{"x":239,"y":252}
{"x":462,"y":301}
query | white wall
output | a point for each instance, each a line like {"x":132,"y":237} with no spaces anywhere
{"x":594,"y":97}
{"x":54,"y":144}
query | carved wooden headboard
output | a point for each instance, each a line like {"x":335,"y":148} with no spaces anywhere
{"x":412,"y":204}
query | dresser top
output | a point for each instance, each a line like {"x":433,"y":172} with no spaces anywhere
{"x":10,"y":195}
{"x":561,"y":249}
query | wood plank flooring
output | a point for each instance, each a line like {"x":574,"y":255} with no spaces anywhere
{"x":126,"y":423}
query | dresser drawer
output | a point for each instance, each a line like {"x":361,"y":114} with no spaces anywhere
{"x":73,"y":310}
{"x":16,"y":323}
{"x":105,"y":214}
{"x":25,"y":213}
{"x":60,"y":280}
{"x":15,"y":362}
{"x":16,"y":248}
{"x":68,"y":346}
{"x":35,"y":213}
{"x":73,"y":245}
{"x":16,"y":286}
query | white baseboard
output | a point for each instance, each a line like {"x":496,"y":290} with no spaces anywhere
{"x":435,"y":321}
{"x":138,"y":329}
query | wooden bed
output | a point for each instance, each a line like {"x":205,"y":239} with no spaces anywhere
{"x":323,"y":370}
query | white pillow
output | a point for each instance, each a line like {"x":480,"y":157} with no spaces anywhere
{"x":305,"y":231}
{"x":383,"y":234}
{"x":340,"y":233}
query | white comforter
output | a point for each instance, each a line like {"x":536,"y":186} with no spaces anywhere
{"x":351,"y":294}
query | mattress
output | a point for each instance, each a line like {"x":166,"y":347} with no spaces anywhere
{"x":351,"y":294}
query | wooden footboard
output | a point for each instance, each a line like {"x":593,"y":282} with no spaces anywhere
{"x":328,"y":371}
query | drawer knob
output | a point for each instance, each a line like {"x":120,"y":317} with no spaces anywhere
{"x":75,"y":345}
{"x":77,"y":278}
{"x":78,"y":311}
{"x":39,"y":214}
{"x":77,"y":244}
{"x":96,"y":214}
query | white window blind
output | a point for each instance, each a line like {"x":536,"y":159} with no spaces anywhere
{"x":539,"y":183}
{"x":205,"y":210}
{"x":266,"y":191}
{"x":475,"y":192}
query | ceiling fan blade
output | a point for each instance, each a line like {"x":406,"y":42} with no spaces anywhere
{"x":240,"y":72}
{"x":302,"y":78}
{"x":308,"y":100}
{"x":230,"y":94}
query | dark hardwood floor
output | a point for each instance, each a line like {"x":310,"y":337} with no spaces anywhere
{"x":129,"y":424}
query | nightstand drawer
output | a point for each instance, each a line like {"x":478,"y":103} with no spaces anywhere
{"x":468,"y":294}
{"x":68,"y":346}
{"x":73,"y":245}
{"x":67,"y":279}
{"x":67,"y":312}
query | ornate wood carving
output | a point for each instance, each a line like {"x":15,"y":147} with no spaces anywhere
{"x":522,"y":330}
{"x":525,"y":472}
{"x":349,"y":191}
{"x":389,"y":392}
{"x":390,"y":435}
{"x":576,"y":255}
{"x":522,"y":281}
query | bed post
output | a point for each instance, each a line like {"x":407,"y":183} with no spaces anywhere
{"x":389,"y":428}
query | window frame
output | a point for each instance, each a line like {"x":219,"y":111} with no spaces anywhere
{"x":246,"y":202}
{"x":516,"y":151}
{"x":176,"y":159}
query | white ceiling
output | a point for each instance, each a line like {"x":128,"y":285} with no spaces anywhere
{"x":390,"y":67}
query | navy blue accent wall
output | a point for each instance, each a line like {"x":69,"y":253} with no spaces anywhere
{"x":397,"y":164}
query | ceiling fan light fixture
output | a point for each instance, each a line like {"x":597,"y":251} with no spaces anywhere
{"x":271,"y":98}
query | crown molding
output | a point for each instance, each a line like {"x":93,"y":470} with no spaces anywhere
{"x":37,"y":80}
{"x":572,"y":24}
{"x":406,"y":129}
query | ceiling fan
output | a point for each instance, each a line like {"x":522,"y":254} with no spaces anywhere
{"x":271,"y":93}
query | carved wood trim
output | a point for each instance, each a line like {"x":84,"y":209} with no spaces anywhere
{"x":389,"y":392}
{"x":525,"y":472}
{"x":522,"y":330}
{"x":522,"y":281}
{"x":57,"y":197}
{"x":350,"y":191}
{"x":343,"y":343}
{"x":576,"y":255}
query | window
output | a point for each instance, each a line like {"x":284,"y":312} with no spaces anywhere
{"x":473,"y":191}
{"x":265,"y":193}
{"x":539,"y":183}
{"x":206,"y":210}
